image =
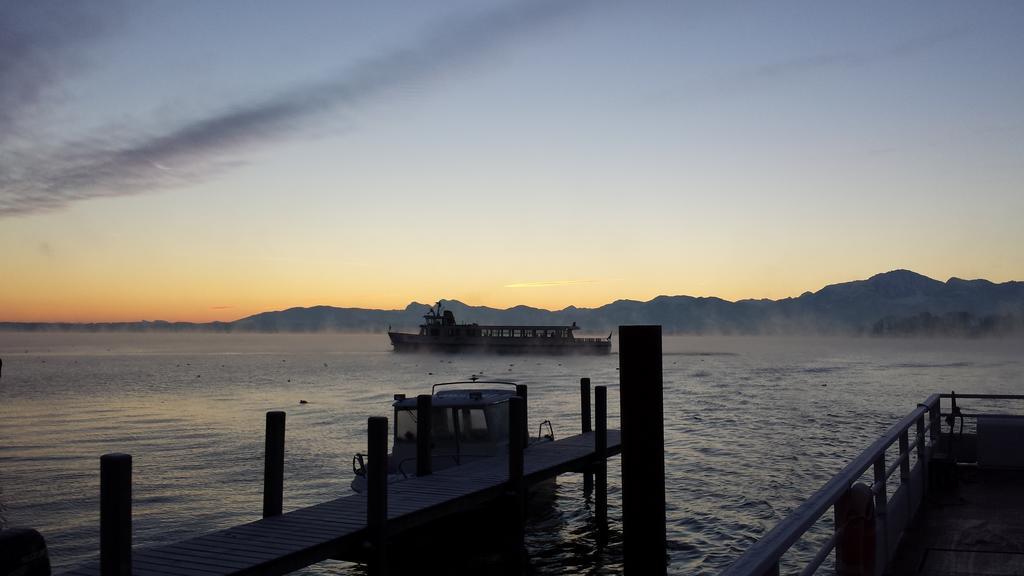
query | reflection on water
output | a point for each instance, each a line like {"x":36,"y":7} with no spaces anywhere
{"x":752,"y":427}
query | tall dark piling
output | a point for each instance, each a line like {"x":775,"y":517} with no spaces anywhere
{"x":588,"y":477}
{"x":273,"y":465}
{"x":643,"y":450}
{"x":377,"y":493}
{"x":521,"y":392}
{"x":516,"y":482}
{"x":424,"y":441}
{"x":116,"y":515}
{"x":601,"y":466}
{"x":585,"y":405}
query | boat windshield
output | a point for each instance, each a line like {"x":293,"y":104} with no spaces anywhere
{"x":469,"y":424}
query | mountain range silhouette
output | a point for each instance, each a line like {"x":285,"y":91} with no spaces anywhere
{"x":861,"y":306}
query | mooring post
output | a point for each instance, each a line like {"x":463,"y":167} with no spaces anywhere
{"x":377,"y":493}
{"x":585,"y":404}
{"x":601,"y":466}
{"x":116,"y":515}
{"x":273,"y":465}
{"x":424,"y":442}
{"x":516,"y":483}
{"x":516,"y":444}
{"x":521,"y":392}
{"x":588,"y":476}
{"x":643,"y":450}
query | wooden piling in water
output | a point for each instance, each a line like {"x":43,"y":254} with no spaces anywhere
{"x":516,"y":484}
{"x":116,"y":515}
{"x":585,"y":404}
{"x":643,"y":450}
{"x":377,"y":493}
{"x":588,"y":476}
{"x":521,"y":392}
{"x":601,"y":466}
{"x":273,"y":465}
{"x":424,"y":441}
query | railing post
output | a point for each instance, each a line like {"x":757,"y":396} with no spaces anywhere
{"x":273,"y":465}
{"x":424,"y":429}
{"x":643,"y":451}
{"x":881,"y":515}
{"x":588,"y":476}
{"x":935,"y":429}
{"x":601,"y":466}
{"x":904,"y":443}
{"x":521,"y":392}
{"x":116,"y":515}
{"x":377,"y":493}
{"x":922,"y":457}
{"x":516,"y":483}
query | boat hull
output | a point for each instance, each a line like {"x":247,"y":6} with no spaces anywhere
{"x":403,"y":342}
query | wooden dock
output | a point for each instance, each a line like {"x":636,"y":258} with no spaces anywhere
{"x":338,"y":528}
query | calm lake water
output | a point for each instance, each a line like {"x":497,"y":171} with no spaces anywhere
{"x":752,"y":426}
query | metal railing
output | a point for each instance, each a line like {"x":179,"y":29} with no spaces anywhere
{"x":763,"y":557}
{"x":891,"y":515}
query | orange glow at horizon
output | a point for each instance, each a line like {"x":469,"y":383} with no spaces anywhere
{"x":219,"y":303}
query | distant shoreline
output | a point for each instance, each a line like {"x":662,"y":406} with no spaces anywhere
{"x":897,"y":303}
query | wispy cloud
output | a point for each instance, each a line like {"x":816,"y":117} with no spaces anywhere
{"x":840,"y":59}
{"x":40,"y":43}
{"x":549,"y":283}
{"x":114,"y":165}
{"x":221,"y":307}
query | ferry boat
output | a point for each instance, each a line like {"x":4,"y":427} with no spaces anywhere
{"x":441,"y":333}
{"x":469,"y":422}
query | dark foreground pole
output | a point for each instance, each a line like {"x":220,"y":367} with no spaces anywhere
{"x":424,"y":442}
{"x":377,"y":494}
{"x":601,"y":466}
{"x":643,"y":450}
{"x":273,"y":465}
{"x":116,"y":515}
{"x":516,"y":484}
{"x":588,"y":477}
{"x":585,"y":404}
{"x":521,"y":392}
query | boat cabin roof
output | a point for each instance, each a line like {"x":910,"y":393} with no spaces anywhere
{"x":460,"y":397}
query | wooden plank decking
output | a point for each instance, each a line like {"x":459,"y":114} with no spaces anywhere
{"x":334,"y":529}
{"x":975,"y":526}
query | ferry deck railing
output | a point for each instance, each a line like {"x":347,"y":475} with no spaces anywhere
{"x":891,"y":515}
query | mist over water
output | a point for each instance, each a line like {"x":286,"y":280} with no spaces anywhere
{"x":752,"y":427}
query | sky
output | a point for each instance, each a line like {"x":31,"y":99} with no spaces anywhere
{"x":197,"y":161}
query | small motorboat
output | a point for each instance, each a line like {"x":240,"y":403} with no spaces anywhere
{"x":469,"y":421}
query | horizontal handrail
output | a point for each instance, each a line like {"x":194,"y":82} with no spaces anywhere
{"x":822,"y":554}
{"x":765,"y":553}
{"x":896,"y":464}
{"x":984,"y":396}
{"x":983,"y":414}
